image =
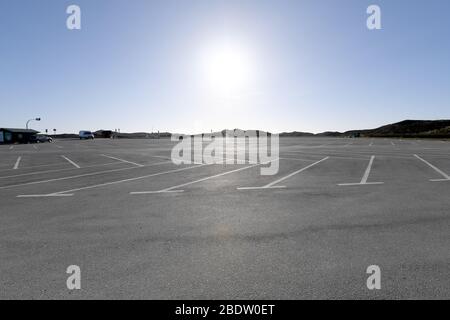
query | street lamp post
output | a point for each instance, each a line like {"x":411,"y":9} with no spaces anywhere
{"x":36,"y":119}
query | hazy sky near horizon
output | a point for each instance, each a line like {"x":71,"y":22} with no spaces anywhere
{"x":190,"y":66}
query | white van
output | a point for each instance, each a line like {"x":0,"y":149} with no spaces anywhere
{"x":86,"y":135}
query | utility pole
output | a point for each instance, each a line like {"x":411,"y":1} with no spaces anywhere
{"x":35,"y":119}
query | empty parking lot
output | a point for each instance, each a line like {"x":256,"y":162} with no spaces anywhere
{"x":141,"y":227}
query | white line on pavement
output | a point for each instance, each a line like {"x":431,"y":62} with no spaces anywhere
{"x":173,"y":189}
{"x":365,"y":176}
{"x":77,"y":176}
{"x":16,"y":165}
{"x":359,"y":184}
{"x":66,"y":192}
{"x":44,"y":195}
{"x":442,"y":173}
{"x":54,"y":165}
{"x":272,"y":185}
{"x":12,"y":147}
{"x":126,"y":161}
{"x":57,"y":170}
{"x":71,"y":162}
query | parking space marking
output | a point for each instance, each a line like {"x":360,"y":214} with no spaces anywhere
{"x":442,"y":173}
{"x":71,"y":162}
{"x":392,"y":143}
{"x":160,"y":157}
{"x":365,"y":176}
{"x":173,"y":189}
{"x":69,"y":193}
{"x":77,"y":176}
{"x":273,"y":185}
{"x":335,"y":155}
{"x":122,"y":160}
{"x":34,"y":147}
{"x":348,"y":144}
{"x":40,"y":166}
{"x":44,"y":195}
{"x":57,"y":170}
{"x":16,"y":165}
{"x":12,"y":147}
{"x":294,"y":159}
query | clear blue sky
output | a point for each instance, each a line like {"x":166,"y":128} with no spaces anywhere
{"x":141,"y":64}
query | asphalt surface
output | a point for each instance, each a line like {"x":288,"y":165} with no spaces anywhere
{"x":89,"y":203}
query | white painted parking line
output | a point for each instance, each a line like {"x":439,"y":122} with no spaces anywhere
{"x":369,"y":167}
{"x":58,"y":146}
{"x":442,"y":173}
{"x":161,"y":157}
{"x":122,"y":160}
{"x":77,"y":176}
{"x":365,"y":176}
{"x":16,"y":165}
{"x":40,"y":166}
{"x":34,"y":147}
{"x":68,"y":193}
{"x":44,"y":195}
{"x":295,"y":159}
{"x":348,"y":144}
{"x":71,"y":162}
{"x":57,"y":170}
{"x":392,"y":143}
{"x":12,"y":147}
{"x":336,"y":155}
{"x":174,"y":188}
{"x":273,"y":185}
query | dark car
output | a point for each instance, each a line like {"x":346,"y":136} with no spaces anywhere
{"x":41,"y":138}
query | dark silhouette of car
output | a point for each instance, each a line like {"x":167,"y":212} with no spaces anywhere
{"x":41,"y":138}
{"x":86,"y":135}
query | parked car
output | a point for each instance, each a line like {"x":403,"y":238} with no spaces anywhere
{"x":41,"y":138}
{"x":86,"y":135}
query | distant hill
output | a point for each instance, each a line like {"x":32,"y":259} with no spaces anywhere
{"x":412,"y":128}
{"x":296,"y":134}
{"x":329,"y":134}
{"x":403,"y":129}
{"x":142,"y":135}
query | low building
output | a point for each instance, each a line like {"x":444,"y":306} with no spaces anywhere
{"x":107,"y":134}
{"x":11,"y":135}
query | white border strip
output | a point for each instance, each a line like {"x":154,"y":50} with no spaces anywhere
{"x":16,"y":165}
{"x":122,"y":160}
{"x":272,"y":185}
{"x":364,"y":178}
{"x":71,"y":162}
{"x":78,"y":176}
{"x":442,"y":173}
{"x":173,"y":189}
{"x":68,"y":193}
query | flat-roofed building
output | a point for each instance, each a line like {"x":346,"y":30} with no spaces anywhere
{"x":13,"y":135}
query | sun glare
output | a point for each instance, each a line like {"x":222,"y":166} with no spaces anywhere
{"x":227,"y":69}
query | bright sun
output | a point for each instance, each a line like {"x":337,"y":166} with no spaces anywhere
{"x":227,"y":69}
